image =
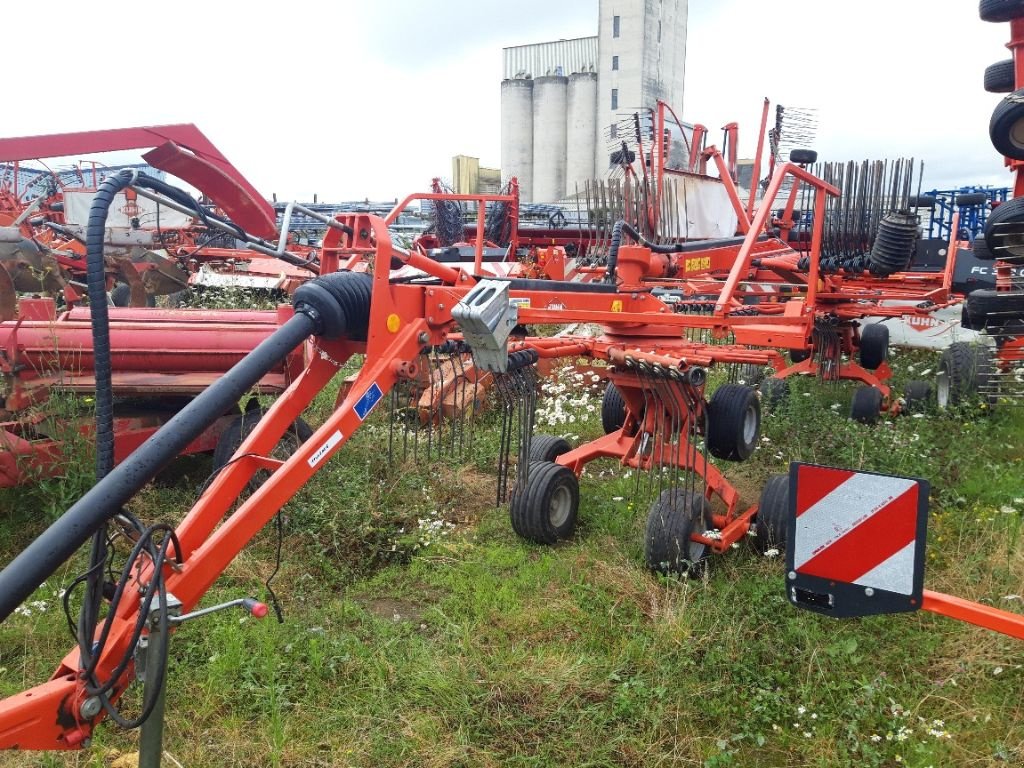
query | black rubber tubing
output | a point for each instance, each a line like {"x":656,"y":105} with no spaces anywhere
{"x":60,"y":541}
{"x":621,"y":226}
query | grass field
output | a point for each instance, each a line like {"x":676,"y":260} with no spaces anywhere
{"x":420,"y":631}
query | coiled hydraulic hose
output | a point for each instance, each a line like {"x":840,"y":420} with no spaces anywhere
{"x":621,"y":226}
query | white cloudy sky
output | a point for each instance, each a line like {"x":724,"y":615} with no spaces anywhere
{"x":371,"y":99}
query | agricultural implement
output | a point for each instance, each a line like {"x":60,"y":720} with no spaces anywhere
{"x":668,"y":430}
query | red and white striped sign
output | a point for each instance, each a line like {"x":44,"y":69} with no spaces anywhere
{"x":856,"y":528}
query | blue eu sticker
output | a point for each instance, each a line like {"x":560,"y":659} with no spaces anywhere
{"x":368,"y":401}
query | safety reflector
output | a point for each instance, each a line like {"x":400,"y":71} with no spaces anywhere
{"x":857,"y":541}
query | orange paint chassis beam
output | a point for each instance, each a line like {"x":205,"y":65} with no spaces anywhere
{"x":1007,"y":623}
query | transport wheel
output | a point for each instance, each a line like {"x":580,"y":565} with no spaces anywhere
{"x":613,"y":409}
{"x":544,"y":508}
{"x":972,"y":198}
{"x":774,"y":392}
{"x":894,"y":245}
{"x":121,"y":296}
{"x":673,"y":516}
{"x":874,"y":345}
{"x":1004,"y":229}
{"x":1006,"y":127}
{"x":799,"y":355}
{"x":921,"y":201}
{"x":1000,"y":77}
{"x":963,"y":370}
{"x":751,"y":374}
{"x":980,"y":251}
{"x":866,"y":405}
{"x":772,"y":520}
{"x":734,"y":422}
{"x":803,"y":156}
{"x":985,"y":307}
{"x":241,"y":426}
{"x":547,"y":447}
{"x":1000,"y":10}
{"x":918,"y":396}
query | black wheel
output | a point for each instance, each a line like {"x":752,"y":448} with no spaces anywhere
{"x":772,"y":520}
{"x":980,"y":251}
{"x":866,"y":405}
{"x":803,"y":156}
{"x":613,"y":409}
{"x":241,"y":426}
{"x":799,"y":355}
{"x":547,"y":447}
{"x":673,"y":516}
{"x":874,"y":345}
{"x":178,"y":299}
{"x":1000,"y":77}
{"x":1000,"y":10}
{"x":734,"y":422}
{"x":918,"y":396}
{"x":963,"y":371}
{"x":972,"y":198}
{"x":544,"y":508}
{"x":121,"y":296}
{"x":986,"y":307}
{"x":921,"y":201}
{"x":1004,"y":229}
{"x":750,"y":374}
{"x":774,"y":392}
{"x":1006,"y":128}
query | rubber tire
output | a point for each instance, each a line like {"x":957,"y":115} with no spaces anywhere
{"x":1006,"y":127}
{"x":918,"y":396}
{"x":530,"y":506}
{"x":121,"y":296}
{"x":1005,"y":227}
{"x":774,"y":392}
{"x":673,"y":516}
{"x":731,"y":410}
{"x":965,"y":367}
{"x":803,"y":156}
{"x":799,"y":355}
{"x":751,"y":374}
{"x":771,"y":525}
{"x":921,"y":201}
{"x":866,"y":405}
{"x":613,"y":409}
{"x":983,"y":304}
{"x":874,"y":345}
{"x":1000,"y":77}
{"x":971,"y":198}
{"x":548,"y":447}
{"x":240,"y":428}
{"x":1000,"y":10}
{"x":980,"y":250}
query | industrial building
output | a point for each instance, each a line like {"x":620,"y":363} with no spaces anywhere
{"x":562,"y":101}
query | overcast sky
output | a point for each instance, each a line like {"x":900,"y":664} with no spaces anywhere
{"x":371,"y":99}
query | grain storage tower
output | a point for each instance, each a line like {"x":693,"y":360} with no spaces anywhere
{"x":580,"y":150}
{"x":517,"y":133}
{"x":637,"y":57}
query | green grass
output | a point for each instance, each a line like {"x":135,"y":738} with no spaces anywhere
{"x":420,"y":631}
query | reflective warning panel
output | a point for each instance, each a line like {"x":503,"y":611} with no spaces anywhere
{"x":856,"y":541}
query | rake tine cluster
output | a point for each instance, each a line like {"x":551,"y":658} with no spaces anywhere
{"x":517,"y":391}
{"x":671,"y":419}
{"x":436,"y":405}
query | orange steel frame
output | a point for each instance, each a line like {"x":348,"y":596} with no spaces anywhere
{"x":404,"y":319}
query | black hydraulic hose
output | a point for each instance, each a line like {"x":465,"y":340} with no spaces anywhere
{"x":57,"y":543}
{"x":621,"y":226}
{"x":96,"y":282}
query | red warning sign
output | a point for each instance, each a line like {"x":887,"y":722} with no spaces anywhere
{"x":856,"y":528}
